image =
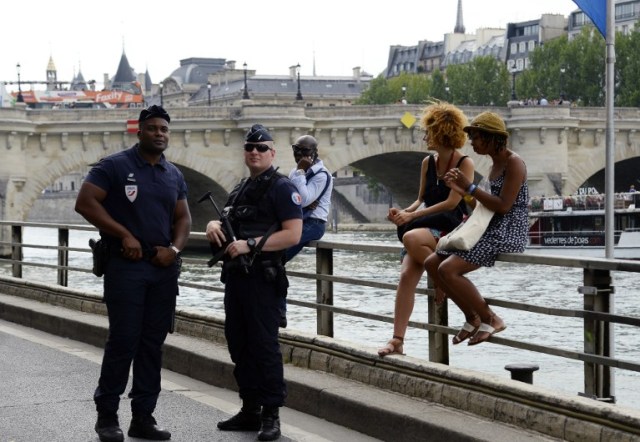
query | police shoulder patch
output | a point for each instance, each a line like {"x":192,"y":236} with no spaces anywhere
{"x":296,"y":198}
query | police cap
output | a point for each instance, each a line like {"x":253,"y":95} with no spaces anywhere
{"x":154,"y":111}
{"x":258,"y":133}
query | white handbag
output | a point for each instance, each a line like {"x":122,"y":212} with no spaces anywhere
{"x":468,"y":232}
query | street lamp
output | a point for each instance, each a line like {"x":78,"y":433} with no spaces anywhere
{"x":209,"y":93}
{"x":161,"y":96}
{"x":19,"y":98}
{"x":446,"y":91}
{"x":514,"y":71}
{"x":562,"y":71}
{"x":404,"y":95}
{"x":299,"y":94}
{"x":245,"y":93}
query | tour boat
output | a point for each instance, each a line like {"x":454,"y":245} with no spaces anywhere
{"x":575,"y":225}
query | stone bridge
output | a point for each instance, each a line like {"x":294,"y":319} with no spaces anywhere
{"x":564,"y":147}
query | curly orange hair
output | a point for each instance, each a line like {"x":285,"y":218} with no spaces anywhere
{"x":444,"y":123}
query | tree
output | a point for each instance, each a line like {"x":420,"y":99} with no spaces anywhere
{"x":438,"y":86}
{"x":418,"y":87}
{"x":377,"y":93}
{"x":490,"y":82}
{"x":628,"y":68}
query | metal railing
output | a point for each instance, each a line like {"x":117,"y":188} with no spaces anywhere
{"x":596,"y":290}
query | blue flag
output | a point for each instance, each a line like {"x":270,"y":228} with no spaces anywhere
{"x":596,"y":10}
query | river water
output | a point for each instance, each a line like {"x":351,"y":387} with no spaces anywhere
{"x":539,"y":285}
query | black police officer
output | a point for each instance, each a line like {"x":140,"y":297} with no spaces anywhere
{"x":266,"y":217}
{"x":137,"y":199}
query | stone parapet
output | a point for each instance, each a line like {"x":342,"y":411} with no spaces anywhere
{"x":345,"y":384}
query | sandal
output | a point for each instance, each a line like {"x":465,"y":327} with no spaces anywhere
{"x":485,"y":331}
{"x":394,"y":346}
{"x":465,"y":333}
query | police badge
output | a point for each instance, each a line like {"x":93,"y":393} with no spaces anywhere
{"x":131,"y":191}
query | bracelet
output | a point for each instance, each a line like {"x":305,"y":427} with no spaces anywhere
{"x":472,"y":188}
{"x":467,"y":199}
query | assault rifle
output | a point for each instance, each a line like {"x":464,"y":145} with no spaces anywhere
{"x":228,"y":230}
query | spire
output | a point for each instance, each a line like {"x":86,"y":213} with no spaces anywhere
{"x":52,"y":75}
{"x":459,"y":29}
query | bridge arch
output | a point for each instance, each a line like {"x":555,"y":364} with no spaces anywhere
{"x":562,"y":146}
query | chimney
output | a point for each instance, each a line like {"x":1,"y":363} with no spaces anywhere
{"x":356,"y":72}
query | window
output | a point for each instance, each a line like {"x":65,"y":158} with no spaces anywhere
{"x":532,"y":45}
{"x":522,"y":46}
{"x":514,"y":48}
{"x":580,"y":19}
{"x":624,"y":10}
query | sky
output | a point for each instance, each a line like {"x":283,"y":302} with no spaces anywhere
{"x":335,"y":35}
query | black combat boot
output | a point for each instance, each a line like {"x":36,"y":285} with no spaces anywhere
{"x":248,"y":419}
{"x":144,"y":426}
{"x":270,"y":429}
{"x":108,"y":428}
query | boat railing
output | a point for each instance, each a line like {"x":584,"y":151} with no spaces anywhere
{"x":597,"y":315}
{"x":623,"y":200}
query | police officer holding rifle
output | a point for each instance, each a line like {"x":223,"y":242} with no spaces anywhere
{"x":266,"y":217}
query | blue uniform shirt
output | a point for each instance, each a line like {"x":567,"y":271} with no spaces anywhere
{"x":140,"y":196}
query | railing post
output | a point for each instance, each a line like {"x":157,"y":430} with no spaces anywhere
{"x":438,"y":342}
{"x":63,"y":257}
{"x":598,"y":335}
{"x":16,"y":251}
{"x":324,"y":291}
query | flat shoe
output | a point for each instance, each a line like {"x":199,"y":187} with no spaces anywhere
{"x":485,"y":331}
{"x":465,"y":333}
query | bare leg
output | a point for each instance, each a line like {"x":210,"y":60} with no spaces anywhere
{"x":419,"y":244}
{"x":472,"y":320}
{"x":431,"y":266}
{"x":465,"y":294}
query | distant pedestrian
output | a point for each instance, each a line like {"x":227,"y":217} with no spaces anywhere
{"x":137,"y":199}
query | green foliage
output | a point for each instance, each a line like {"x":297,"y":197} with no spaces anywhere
{"x":377,"y":93}
{"x":483,"y":82}
{"x":383,"y":91}
{"x":438,"y":86}
{"x":628,"y":68}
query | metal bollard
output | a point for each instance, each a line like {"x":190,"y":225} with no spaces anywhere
{"x":522,"y":372}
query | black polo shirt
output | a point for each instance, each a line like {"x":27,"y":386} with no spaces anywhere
{"x":140,"y":196}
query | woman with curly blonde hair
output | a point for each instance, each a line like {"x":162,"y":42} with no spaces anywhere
{"x":435,"y":212}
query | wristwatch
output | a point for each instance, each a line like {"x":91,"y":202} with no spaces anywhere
{"x":175,"y":249}
{"x":251,"y":242}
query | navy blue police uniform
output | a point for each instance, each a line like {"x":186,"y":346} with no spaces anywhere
{"x":140,"y":296}
{"x":254,"y":286}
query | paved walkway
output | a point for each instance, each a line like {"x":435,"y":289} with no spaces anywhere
{"x":47,"y":382}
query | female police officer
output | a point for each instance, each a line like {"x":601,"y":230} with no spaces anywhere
{"x":266,"y":217}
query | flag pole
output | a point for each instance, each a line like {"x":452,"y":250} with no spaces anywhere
{"x":610,"y":133}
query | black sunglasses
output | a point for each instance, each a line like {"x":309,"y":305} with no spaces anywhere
{"x":262,"y":148}
{"x":301,"y":149}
